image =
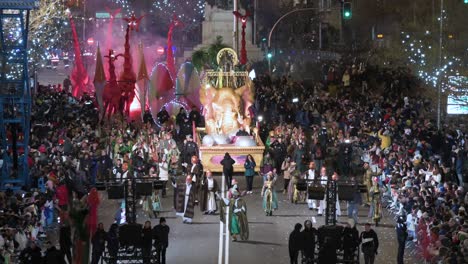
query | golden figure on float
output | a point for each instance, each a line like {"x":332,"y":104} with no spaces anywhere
{"x":226,"y":105}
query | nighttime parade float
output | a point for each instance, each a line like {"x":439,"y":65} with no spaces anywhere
{"x":226,"y":96}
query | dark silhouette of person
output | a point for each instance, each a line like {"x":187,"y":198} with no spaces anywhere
{"x":295,"y":243}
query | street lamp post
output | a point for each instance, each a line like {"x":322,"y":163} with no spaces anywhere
{"x":284,"y":16}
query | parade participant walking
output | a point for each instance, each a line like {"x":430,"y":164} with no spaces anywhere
{"x":285,"y":168}
{"x":237,"y":218}
{"x":369,"y":244}
{"x":310,"y":176}
{"x":323,"y":182}
{"x":65,"y":240}
{"x":189,"y":149}
{"x":209,"y":188}
{"x":376,"y":207}
{"x":146,"y":242}
{"x":295,"y":243}
{"x":249,"y":166}
{"x":296,"y":195}
{"x":113,"y":242}
{"x":228,"y":168}
{"x":353,"y":205}
{"x":161,"y":240}
{"x":402,"y":235}
{"x":367,"y":181}
{"x":350,"y":240}
{"x":99,"y":243}
{"x":185,"y":200}
{"x":309,"y":240}
{"x":270,"y":199}
{"x":196,"y":172}
{"x":163,"y":173}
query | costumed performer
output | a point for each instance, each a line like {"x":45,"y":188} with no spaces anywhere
{"x":209,"y":188}
{"x":184,"y":199}
{"x":270,"y":199}
{"x":237,"y":218}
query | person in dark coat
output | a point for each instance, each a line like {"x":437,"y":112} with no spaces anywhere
{"x":104,"y":166}
{"x":195,"y":116}
{"x":228,"y":168}
{"x":369,"y":244}
{"x":31,"y":254}
{"x":65,"y":241}
{"x":350,"y":240}
{"x":161,"y":240}
{"x":309,"y":238}
{"x":53,"y":255}
{"x":295,"y":243}
{"x":147,"y":242}
{"x":189,"y":149}
{"x":163,"y":116}
{"x":113,"y":242}
{"x":279,"y":152}
{"x":402,"y":235}
{"x":99,"y":243}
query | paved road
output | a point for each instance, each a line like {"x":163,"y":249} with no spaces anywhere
{"x":268,"y":242}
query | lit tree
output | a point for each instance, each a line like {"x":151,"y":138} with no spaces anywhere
{"x":49,"y":29}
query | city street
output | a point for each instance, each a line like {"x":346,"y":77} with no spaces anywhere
{"x":268,"y":235}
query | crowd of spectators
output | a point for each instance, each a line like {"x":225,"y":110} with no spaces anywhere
{"x":361,"y":121}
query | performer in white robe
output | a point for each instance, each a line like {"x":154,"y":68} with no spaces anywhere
{"x":209,"y":188}
{"x":310,"y":175}
{"x":323,"y":203}
{"x":323,"y":182}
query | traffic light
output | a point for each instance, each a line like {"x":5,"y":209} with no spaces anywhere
{"x":465,"y":1}
{"x":269,"y":55}
{"x":347,"y":10}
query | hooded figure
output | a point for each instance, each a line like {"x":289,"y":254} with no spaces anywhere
{"x":295,"y":243}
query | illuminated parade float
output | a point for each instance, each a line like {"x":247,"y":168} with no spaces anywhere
{"x":226,"y":96}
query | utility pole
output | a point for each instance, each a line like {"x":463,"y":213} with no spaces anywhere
{"x":439,"y":88}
